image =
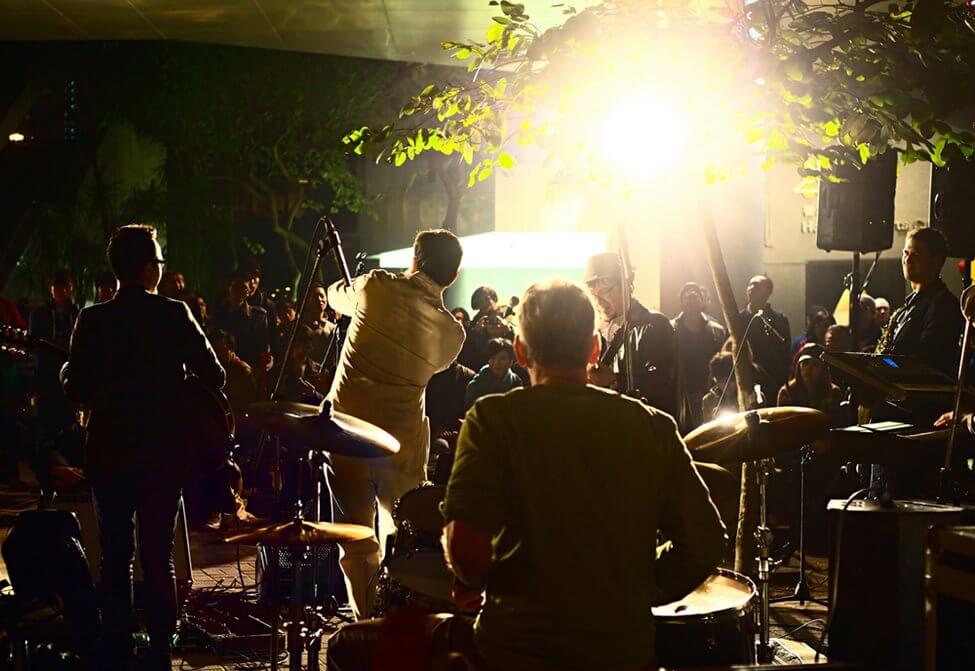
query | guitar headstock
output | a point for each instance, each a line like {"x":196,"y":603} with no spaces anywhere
{"x":18,"y":341}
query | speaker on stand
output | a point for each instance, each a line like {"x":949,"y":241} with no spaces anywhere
{"x":857,"y":215}
{"x":953,"y":208}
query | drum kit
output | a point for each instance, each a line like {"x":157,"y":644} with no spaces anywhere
{"x":323,"y":431}
{"x":715,"y":624}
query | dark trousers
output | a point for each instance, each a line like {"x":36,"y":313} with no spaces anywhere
{"x":156,"y":504}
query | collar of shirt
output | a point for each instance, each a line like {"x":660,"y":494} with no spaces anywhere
{"x":427,"y":283}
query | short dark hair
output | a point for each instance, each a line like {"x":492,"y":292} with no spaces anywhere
{"x":438,"y":254}
{"x":465,"y":313}
{"x":481,"y":296}
{"x":497,"y":345}
{"x":131,"y":248}
{"x":105,"y":279}
{"x":226,"y":337}
{"x":61,"y":277}
{"x":694,"y":286}
{"x":721,"y":365}
{"x":934,"y":240}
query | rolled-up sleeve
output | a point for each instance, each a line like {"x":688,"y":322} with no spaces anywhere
{"x":689,"y":520}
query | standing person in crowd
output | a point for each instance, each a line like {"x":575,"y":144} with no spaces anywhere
{"x":722,"y":396}
{"x":651,"y":334}
{"x":818,"y":320}
{"x":445,"y":402}
{"x":105,"y":287}
{"x":54,"y":320}
{"x":248,"y":325}
{"x":699,"y":337}
{"x":240,"y":388}
{"x":882,"y":313}
{"x":302,"y":381}
{"x":488,"y":323}
{"x":319,"y":325}
{"x":533,"y":458}
{"x":255,"y":296}
{"x":769,"y":336}
{"x":496,"y":377}
{"x":867,"y":325}
{"x":401,"y":334}
{"x":128,"y":359}
{"x":172,"y":284}
{"x":198,"y":308}
{"x":462,"y":316}
{"x":838,"y":339}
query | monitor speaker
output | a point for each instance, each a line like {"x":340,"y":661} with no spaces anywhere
{"x":857,"y":215}
{"x":878,"y":575}
{"x":953,"y":206}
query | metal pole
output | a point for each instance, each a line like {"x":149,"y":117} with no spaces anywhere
{"x":855,"y":289}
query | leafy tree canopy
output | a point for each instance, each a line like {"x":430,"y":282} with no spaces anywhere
{"x":816,"y":84}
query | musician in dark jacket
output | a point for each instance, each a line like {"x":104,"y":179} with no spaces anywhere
{"x":129,"y":358}
{"x":652,"y":336}
{"x":769,"y":336}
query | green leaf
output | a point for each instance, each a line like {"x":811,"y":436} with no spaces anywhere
{"x":468,"y":154}
{"x":506,"y":161}
{"x":864,"y":150}
{"x":832,"y":128}
{"x":936,"y":155}
{"x":494,"y":33}
{"x":462,"y":54}
{"x":400,"y":159}
{"x":485,"y":173}
{"x":502,"y":19}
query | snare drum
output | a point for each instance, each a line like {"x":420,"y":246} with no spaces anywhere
{"x":713,"y":625}
{"x":415,"y":570}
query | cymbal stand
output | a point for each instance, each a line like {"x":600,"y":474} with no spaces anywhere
{"x":802,"y":593}
{"x":763,"y":542}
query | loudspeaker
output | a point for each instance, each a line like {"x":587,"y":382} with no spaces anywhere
{"x":953,"y":206}
{"x":81,"y":505}
{"x":878,"y":614}
{"x":950,"y":599}
{"x":857,"y":215}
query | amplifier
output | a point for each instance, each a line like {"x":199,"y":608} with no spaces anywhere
{"x":950,"y":599}
{"x":878,"y":615}
{"x":80,"y":503}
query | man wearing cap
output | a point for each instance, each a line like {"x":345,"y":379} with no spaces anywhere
{"x":651,"y":338}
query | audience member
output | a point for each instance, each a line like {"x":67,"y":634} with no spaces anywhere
{"x":838,"y":339}
{"x":699,"y":337}
{"x":867,"y":325}
{"x":496,"y":377}
{"x":463,"y":316}
{"x":818,"y":320}
{"x":302,"y":381}
{"x":811,"y":387}
{"x":445,"y":398}
{"x":882,"y":313}
{"x":105,"y":287}
{"x":172,"y":284}
{"x":255,"y":296}
{"x":198,"y":308}
{"x":488,"y":323}
{"x":722,"y":397}
{"x":54,"y":320}
{"x":240,"y":387}
{"x":248,"y":325}
{"x":319,"y":325}
{"x":769,"y":336}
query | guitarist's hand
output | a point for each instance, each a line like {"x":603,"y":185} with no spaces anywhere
{"x":602,"y":376}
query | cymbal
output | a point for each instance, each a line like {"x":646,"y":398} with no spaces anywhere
{"x":322,"y":428}
{"x":781,"y":430}
{"x":299,"y":533}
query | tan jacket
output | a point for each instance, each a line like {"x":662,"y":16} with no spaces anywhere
{"x":401,"y":335}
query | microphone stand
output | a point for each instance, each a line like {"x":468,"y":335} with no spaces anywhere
{"x":947,"y":487}
{"x":626,"y":276}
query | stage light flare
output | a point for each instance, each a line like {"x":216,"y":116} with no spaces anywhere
{"x":643,"y":133}
{"x":16,"y":137}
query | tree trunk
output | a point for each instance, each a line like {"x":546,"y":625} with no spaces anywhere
{"x":448,"y":170}
{"x":745,"y":549}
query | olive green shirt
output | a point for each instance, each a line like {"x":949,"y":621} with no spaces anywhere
{"x":572,"y":483}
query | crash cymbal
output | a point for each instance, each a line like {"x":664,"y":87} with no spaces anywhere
{"x":321,"y":428}
{"x":299,"y":533}
{"x":781,"y":430}
{"x":273,"y":415}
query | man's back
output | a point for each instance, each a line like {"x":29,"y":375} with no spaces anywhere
{"x":128,"y":357}
{"x":400,"y":335}
{"x":573,"y":483}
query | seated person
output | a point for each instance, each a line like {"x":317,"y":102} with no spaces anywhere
{"x":241,"y":387}
{"x":811,"y":387}
{"x":496,"y":376}
{"x":535,"y":466}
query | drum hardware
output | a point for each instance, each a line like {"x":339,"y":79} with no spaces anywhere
{"x":783,"y":429}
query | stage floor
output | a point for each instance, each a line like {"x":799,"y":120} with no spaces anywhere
{"x":215,"y":568}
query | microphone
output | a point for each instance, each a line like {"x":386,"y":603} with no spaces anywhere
{"x":768,"y":325}
{"x":335,"y":246}
{"x":968,"y":303}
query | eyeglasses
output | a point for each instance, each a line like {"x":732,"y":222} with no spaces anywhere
{"x":602,"y":288}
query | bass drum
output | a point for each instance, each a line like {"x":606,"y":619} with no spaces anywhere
{"x":712,"y":626}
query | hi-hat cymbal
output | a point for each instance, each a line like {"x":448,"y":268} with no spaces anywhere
{"x":299,"y":533}
{"x":321,"y":428}
{"x":780,"y":430}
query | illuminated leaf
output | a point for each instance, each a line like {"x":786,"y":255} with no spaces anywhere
{"x":506,"y":161}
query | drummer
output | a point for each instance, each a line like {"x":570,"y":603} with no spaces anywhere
{"x":556,"y":496}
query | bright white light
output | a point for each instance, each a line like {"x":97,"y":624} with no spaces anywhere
{"x":515,"y":250}
{"x":16,"y":137}
{"x":643,"y":133}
